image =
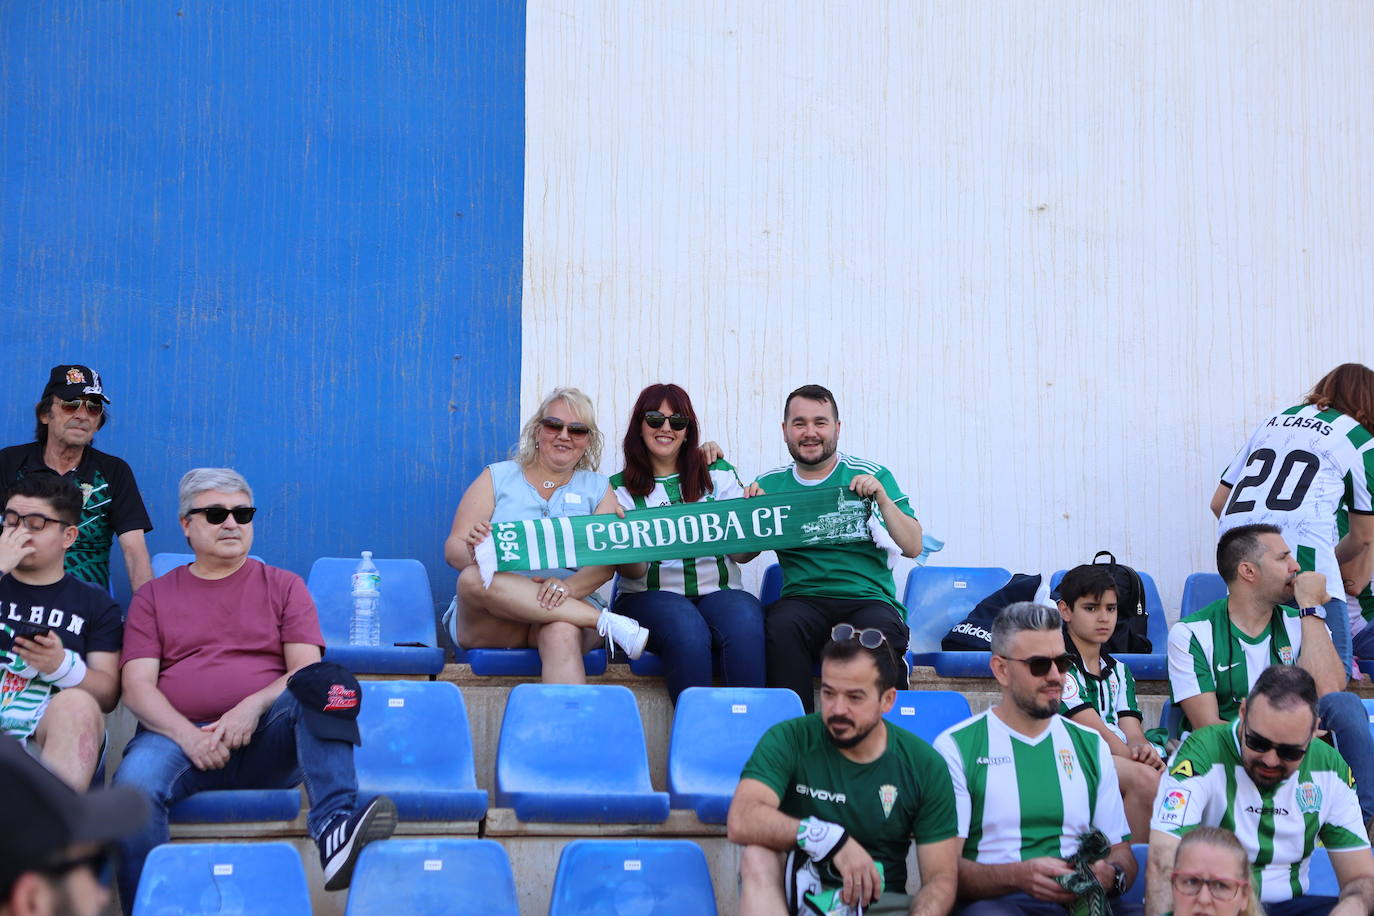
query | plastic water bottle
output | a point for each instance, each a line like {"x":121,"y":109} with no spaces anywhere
{"x":365,"y":627}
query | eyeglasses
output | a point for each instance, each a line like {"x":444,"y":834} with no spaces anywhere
{"x":216,"y":515}
{"x":93,"y":407}
{"x":1260,"y":745}
{"x":1039,"y":665}
{"x":1191,"y":885}
{"x":575,"y":430}
{"x":655,"y":420}
{"x":868,"y":638}
{"x":34,"y":521}
{"x":98,"y":862}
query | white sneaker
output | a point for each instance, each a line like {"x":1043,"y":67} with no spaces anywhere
{"x":629,"y":634}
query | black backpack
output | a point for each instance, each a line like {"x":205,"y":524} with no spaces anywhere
{"x":1132,"y":622}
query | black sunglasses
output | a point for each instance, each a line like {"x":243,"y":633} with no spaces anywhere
{"x":575,"y":430}
{"x":100,"y":863}
{"x":655,"y":420}
{"x":868,"y":638}
{"x":1260,"y":745}
{"x":93,"y":407}
{"x":1039,"y":665}
{"x":216,"y":515}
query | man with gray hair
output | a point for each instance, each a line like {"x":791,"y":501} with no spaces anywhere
{"x":221,"y":665}
{"x":1031,"y":786}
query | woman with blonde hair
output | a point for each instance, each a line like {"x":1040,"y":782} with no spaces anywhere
{"x":1211,"y":876}
{"x":558,"y":611}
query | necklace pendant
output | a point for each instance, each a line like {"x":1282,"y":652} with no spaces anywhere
{"x":548,"y":485}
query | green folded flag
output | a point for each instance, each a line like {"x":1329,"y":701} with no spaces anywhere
{"x":800,"y":518}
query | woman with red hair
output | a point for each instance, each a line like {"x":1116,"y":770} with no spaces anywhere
{"x":694,"y":609}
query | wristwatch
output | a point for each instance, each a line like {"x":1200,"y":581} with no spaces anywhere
{"x":1318,"y":612}
{"x":1118,"y":882}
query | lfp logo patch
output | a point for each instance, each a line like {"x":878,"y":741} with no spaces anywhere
{"x":1309,"y":797}
{"x":1173,"y":806}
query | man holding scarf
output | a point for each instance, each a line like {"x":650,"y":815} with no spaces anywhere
{"x":833,"y":583}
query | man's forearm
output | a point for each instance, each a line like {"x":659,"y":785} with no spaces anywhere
{"x":152,"y":708}
{"x":905,"y":530}
{"x":103,"y":686}
{"x":1357,"y":898}
{"x":978,"y":880}
{"x":935,"y":898}
{"x":1318,"y":657}
{"x":762,"y":825}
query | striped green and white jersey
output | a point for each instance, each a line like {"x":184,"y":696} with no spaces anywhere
{"x":1361,"y":604}
{"x":691,"y":577}
{"x":1295,"y":472}
{"x":1110,"y":692}
{"x":1018,"y":797}
{"x":1208,"y":654}
{"x":1207,"y":784}
{"x":858,"y":570}
{"x":23,"y":696}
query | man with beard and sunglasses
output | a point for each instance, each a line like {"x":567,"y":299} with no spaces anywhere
{"x":56,"y":847}
{"x":1266,"y":777}
{"x":1272,"y":615}
{"x":833,"y":583}
{"x":221,"y":666}
{"x":1030,"y":785}
{"x":72,"y":409}
{"x":843,"y":793}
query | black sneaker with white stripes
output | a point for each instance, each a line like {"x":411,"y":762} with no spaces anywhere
{"x":345,"y":837}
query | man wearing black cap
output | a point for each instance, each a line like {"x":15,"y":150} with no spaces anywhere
{"x":221,"y":666}
{"x":69,"y":412}
{"x":56,"y":844}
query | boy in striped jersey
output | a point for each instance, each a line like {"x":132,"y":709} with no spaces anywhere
{"x":1099,"y":692}
{"x":1280,"y":789}
{"x":59,"y":661}
{"x":837,"y":583}
{"x":1029,"y":784}
{"x":1216,"y":655}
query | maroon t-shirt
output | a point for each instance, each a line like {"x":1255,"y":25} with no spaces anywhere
{"x":219,"y":640}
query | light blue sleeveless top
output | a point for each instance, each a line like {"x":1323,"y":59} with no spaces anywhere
{"x":518,"y":500}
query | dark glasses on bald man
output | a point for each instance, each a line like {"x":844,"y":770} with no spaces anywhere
{"x":575,"y":430}
{"x":1039,"y":665}
{"x":655,"y":420}
{"x":216,"y":515}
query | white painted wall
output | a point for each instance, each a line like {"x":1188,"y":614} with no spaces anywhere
{"x":1055,"y":259}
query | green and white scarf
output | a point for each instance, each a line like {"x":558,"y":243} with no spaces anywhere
{"x":799,"y":518}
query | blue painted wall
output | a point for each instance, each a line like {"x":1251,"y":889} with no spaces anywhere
{"x":288,"y":234}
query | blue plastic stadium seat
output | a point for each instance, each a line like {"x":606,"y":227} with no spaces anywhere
{"x":575,"y":754}
{"x":938,"y":597}
{"x":662,"y":877}
{"x":234,"y":806}
{"x":417,"y":749}
{"x":525,"y":662}
{"x":433,"y":877}
{"x":957,"y":664}
{"x":770,"y":589}
{"x":163,"y":563}
{"x":407,"y":613}
{"x":1136,"y":892}
{"x":926,"y":713}
{"x":265,"y":879}
{"x":1200,"y":590}
{"x":714,"y":732}
{"x":1321,"y":877}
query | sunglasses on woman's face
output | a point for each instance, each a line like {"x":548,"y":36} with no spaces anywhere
{"x":556,"y":426}
{"x":655,"y":420}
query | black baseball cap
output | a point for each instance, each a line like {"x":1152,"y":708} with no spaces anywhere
{"x":47,"y":816}
{"x":331,"y":697}
{"x":70,"y":382}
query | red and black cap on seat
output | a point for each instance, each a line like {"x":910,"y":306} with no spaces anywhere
{"x":331,"y":698}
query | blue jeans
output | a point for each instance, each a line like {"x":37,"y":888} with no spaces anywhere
{"x":1019,"y":903}
{"x":281,"y":753}
{"x":1309,"y":905}
{"x":1338,"y":623}
{"x":1344,"y":716}
{"x":686,"y":632}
